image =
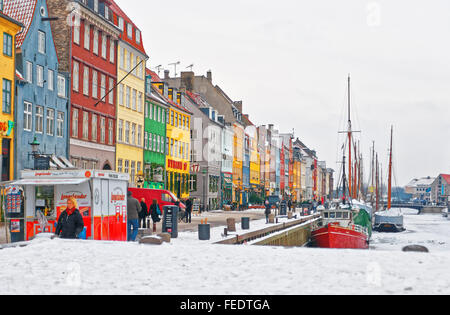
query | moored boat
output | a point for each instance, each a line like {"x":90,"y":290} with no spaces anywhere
{"x":389,"y":221}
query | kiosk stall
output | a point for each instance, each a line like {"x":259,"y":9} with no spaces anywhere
{"x":101,"y":197}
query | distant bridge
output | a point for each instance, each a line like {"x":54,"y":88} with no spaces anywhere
{"x":421,"y":208}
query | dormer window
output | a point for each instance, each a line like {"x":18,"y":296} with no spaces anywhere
{"x":130,"y":31}
{"x":138,"y":36}
{"x":121,"y":24}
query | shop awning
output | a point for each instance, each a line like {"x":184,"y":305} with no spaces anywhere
{"x":48,"y":181}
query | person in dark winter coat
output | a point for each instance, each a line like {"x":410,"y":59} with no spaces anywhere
{"x":70,"y":222}
{"x":188,"y":210}
{"x":133,"y":209}
{"x":268,"y":210}
{"x":143,"y":214}
{"x":154,"y":211}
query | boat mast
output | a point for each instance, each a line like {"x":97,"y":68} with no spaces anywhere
{"x":390,"y":172}
{"x":350,"y":188}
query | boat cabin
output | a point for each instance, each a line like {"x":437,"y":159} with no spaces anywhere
{"x":342,"y":216}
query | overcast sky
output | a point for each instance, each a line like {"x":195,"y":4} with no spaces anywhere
{"x":288,"y":61}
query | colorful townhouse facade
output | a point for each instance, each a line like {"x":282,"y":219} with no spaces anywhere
{"x":42,"y":96}
{"x":155,"y":137}
{"x":86,"y":40}
{"x":131,"y":73}
{"x":8,"y":30}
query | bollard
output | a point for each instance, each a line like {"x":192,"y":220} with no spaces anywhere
{"x":245,"y":223}
{"x":231,"y":225}
{"x":204,"y":232}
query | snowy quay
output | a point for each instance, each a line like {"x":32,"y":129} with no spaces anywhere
{"x":186,"y":265}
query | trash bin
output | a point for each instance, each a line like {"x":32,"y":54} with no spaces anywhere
{"x":204,"y":232}
{"x":245,"y":223}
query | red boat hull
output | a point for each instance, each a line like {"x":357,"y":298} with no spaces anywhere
{"x":334,"y":236}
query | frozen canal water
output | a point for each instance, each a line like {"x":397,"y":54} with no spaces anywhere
{"x":188,"y":267}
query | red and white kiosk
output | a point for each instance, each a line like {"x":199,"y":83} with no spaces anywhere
{"x":101,"y":197}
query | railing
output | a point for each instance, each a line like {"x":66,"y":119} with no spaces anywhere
{"x":251,"y":236}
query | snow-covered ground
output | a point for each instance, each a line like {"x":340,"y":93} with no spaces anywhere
{"x":184,"y":267}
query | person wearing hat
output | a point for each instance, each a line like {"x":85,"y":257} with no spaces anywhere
{"x":133,"y":210}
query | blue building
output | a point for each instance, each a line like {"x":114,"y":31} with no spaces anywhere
{"x":42,"y":91}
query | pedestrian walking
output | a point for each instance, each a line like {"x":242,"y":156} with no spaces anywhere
{"x":143,"y":214}
{"x":268,"y":210}
{"x":70,"y":222}
{"x":133,"y":210}
{"x":188,"y":210}
{"x":155,"y":213}
{"x":290,"y":205}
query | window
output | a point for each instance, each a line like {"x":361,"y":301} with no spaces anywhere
{"x":139,"y":136}
{"x":104,"y":46}
{"x":87,"y":36}
{"x":7,"y":45}
{"x":121,"y":24}
{"x":61,"y":86}
{"x":27,"y":116}
{"x":130,"y":31}
{"x":133,"y":134}
{"x":128,"y":61}
{"x":29,"y":73}
{"x":140,"y":102}
{"x":122,"y":57}
{"x":96,"y":6}
{"x":120,"y":132}
{"x":111,"y":94}
{"x":50,"y":122}
{"x":95,"y":42}
{"x":6,"y":96}
{"x":127,"y":132}
{"x":85,"y":125}
{"x":103,"y":87}
{"x":133,"y":170}
{"x":75,"y":123}
{"x":50,"y":79}
{"x":110,"y":131}
{"x":39,"y":119}
{"x":121,"y":94}
{"x":94,"y":84}
{"x":119,"y":165}
{"x":134,"y":99}
{"x":60,"y":125}
{"x":94,"y":128}
{"x":102,"y":130}
{"x":41,"y":42}
{"x":146,"y":140}
{"x":138,"y":36}
{"x":86,"y":80}
{"x":76,"y":78}
{"x":128,"y":96}
{"x":112,"y":50}
{"x":127,"y":166}
{"x":76,"y":34}
{"x":40,"y":75}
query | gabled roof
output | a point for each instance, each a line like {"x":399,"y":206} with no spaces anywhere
{"x":168,"y":100}
{"x":23,"y":12}
{"x":155,"y":77}
{"x":446,"y":177}
{"x":119,"y":12}
{"x":197,"y":99}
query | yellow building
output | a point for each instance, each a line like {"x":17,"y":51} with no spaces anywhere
{"x":238,"y":158}
{"x":8,"y":30}
{"x":178,"y":144}
{"x":131,"y":65}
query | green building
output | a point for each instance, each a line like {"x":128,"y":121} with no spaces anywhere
{"x":155,"y":146}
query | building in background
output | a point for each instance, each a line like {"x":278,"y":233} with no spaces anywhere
{"x":206,"y":150}
{"x":440,"y":189}
{"x":155,"y":143}
{"x":9,"y":28}
{"x":86,"y":41}
{"x":42,"y":86}
{"x":422,"y":189}
{"x":131,"y":73}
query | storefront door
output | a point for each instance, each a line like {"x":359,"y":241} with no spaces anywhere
{"x":6,"y":150}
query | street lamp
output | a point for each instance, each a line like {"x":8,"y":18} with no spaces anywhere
{"x":34,"y":147}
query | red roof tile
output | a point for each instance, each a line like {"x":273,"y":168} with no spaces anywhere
{"x":155,"y":77}
{"x":23,"y":12}
{"x":446,"y":177}
{"x":119,"y":12}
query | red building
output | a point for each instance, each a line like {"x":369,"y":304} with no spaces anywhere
{"x":90,"y":56}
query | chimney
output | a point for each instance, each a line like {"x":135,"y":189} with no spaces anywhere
{"x":209,"y":76}
{"x":238,"y":105}
{"x":187,"y":80}
{"x":166,"y":74}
